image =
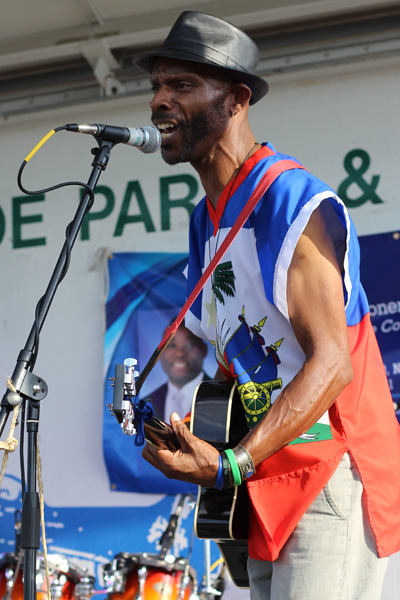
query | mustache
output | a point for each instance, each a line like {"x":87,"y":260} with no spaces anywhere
{"x":161,"y":114}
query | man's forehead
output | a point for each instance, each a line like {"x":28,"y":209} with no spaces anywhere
{"x":164,"y":66}
{"x":185,"y":334}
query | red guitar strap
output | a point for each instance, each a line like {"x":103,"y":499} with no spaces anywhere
{"x":265,"y":182}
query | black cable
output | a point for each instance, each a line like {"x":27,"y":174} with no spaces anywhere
{"x":68,"y":244}
{"x":21,"y":446}
{"x":39,"y":304}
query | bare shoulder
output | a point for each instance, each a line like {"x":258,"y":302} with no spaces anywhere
{"x":316,"y":243}
{"x":315,"y":289}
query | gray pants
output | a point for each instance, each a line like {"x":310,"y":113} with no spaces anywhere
{"x":331,"y":553}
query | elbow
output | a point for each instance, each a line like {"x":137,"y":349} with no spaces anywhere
{"x":337,"y":372}
{"x":345,"y":374}
{"x":349,"y":374}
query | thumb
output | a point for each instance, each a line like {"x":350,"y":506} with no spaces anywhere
{"x":180,"y":428}
{"x":175,"y":417}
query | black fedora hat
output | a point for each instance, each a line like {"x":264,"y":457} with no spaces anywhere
{"x":203,"y":38}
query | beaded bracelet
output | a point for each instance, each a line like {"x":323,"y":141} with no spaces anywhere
{"x":236,"y":475}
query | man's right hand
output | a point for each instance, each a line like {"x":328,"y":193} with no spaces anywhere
{"x":195,"y":462}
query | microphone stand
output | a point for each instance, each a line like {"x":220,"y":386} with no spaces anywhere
{"x":33,"y":389}
{"x":167,"y":537}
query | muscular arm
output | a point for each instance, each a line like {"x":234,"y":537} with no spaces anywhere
{"x":316,"y":311}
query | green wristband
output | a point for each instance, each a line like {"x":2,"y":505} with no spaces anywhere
{"x":237,"y":478}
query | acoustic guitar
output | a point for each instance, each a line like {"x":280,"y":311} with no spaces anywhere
{"x":218,"y":418}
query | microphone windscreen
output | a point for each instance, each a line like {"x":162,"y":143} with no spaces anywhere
{"x":152,"y":139}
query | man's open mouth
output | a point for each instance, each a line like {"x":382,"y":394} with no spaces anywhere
{"x":167,"y":130}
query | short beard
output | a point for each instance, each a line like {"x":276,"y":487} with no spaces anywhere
{"x":210,"y":123}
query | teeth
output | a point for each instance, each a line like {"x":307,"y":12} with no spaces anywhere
{"x":162,"y":127}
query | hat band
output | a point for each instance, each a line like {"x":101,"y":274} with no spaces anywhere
{"x":206,"y":53}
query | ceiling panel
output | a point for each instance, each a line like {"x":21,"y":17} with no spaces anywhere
{"x":23,"y":20}
{"x":121,"y":8}
{"x":50,"y":47}
{"x":24,"y":17}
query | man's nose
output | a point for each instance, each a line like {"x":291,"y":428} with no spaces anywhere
{"x":161,"y":99}
{"x":180,"y":351}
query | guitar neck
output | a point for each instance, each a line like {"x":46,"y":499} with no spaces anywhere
{"x":160,"y":434}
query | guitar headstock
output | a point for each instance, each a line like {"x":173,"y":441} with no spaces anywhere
{"x":123,"y":383}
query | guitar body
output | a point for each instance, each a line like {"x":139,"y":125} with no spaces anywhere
{"x":222,"y":515}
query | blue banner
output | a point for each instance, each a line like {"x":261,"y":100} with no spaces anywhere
{"x":146,"y":292}
{"x":380,"y":255}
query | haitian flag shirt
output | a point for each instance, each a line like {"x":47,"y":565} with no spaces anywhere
{"x":243,"y":311}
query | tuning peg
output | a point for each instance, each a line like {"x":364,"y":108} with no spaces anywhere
{"x":130,"y":362}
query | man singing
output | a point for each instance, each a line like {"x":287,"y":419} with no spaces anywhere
{"x":290,"y":326}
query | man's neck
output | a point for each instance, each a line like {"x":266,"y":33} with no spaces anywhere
{"x":223,"y":164}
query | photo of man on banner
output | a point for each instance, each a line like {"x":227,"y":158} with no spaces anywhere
{"x":146,"y":292}
{"x":183,"y":363}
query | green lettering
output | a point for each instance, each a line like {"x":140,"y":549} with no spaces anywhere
{"x":355,"y":179}
{"x":100,"y":214}
{"x":19,"y":220}
{"x":133,"y":188}
{"x":167,"y":204}
{"x":2,"y":225}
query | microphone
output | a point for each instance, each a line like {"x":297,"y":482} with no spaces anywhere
{"x":147,"y":139}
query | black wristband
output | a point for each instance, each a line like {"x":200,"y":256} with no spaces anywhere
{"x":228,"y":480}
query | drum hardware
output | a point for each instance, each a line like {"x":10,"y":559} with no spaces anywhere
{"x":67,"y":581}
{"x":208,"y":591}
{"x":153,"y":576}
{"x":184,"y":583}
{"x":10,"y":577}
{"x":167,"y":538}
{"x":142,"y":574}
{"x":146,"y":576}
{"x":56,"y":586}
{"x":85,"y":588}
{"x":114,"y":581}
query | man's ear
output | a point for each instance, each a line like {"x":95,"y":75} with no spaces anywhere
{"x":241,"y":97}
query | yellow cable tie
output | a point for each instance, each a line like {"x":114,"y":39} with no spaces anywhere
{"x":39,"y":145}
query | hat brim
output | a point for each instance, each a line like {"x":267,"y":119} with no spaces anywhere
{"x":259,"y":87}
